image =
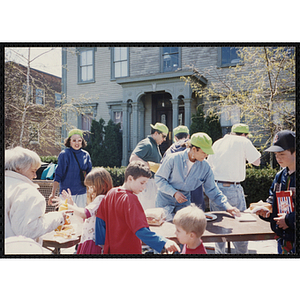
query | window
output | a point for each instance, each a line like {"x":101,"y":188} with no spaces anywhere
{"x":40,"y":96}
{"x":57,"y":99}
{"x":86,"y":65}
{"x":230,"y":115}
{"x":170,"y":59}
{"x":115,"y":112}
{"x":118,"y":118}
{"x":227,"y":56}
{"x":24,"y":87}
{"x":86,"y":121}
{"x":88,"y":112}
{"x":120,"y":62}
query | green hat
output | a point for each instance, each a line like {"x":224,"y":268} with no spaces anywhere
{"x":180,"y":129}
{"x":75,"y":131}
{"x":203,"y":141}
{"x":240,"y":128}
{"x":161,"y":127}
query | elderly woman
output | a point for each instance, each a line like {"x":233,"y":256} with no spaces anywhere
{"x":72,"y":163}
{"x":24,"y":205}
{"x":183,"y":172}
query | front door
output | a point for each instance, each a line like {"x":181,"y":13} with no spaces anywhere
{"x":162,"y":112}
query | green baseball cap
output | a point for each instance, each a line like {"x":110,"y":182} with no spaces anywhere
{"x":203,"y":141}
{"x":180,"y":129}
{"x":75,"y":131}
{"x":161,"y":127}
{"x":240,"y":128}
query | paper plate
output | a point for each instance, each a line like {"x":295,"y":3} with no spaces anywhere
{"x":211,"y":217}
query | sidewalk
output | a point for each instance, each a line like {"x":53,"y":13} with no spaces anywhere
{"x":254,"y":247}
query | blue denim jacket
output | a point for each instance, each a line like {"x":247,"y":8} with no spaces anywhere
{"x":173,"y":176}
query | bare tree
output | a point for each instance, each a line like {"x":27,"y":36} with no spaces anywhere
{"x":24,"y":117}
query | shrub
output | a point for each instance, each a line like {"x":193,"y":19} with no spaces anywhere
{"x":257,"y":184}
{"x":209,"y":124}
{"x":117,"y":175}
{"x":105,"y":144}
{"x":49,"y":159}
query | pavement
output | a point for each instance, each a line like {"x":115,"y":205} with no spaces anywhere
{"x":254,"y":247}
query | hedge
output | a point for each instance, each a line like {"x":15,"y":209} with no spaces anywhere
{"x":117,"y":175}
{"x":256,"y":185}
{"x":49,"y":159}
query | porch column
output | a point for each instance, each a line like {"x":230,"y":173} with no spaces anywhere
{"x":135,"y":128}
{"x":187,"y":112}
{"x":125,"y":134}
{"x":141,"y":121}
{"x":175,"y":112}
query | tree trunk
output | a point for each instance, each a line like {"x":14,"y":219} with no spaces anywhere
{"x":26,"y":100}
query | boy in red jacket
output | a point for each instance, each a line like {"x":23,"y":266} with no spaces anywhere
{"x":121,"y":224}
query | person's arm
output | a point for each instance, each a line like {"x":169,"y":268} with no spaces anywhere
{"x":162,"y":177}
{"x":52,"y":195}
{"x":155,"y":241}
{"x":252,"y":154}
{"x":100,"y":231}
{"x":59,"y":171}
{"x":134,"y":157}
{"x":28,"y":218}
{"x":256,"y":163}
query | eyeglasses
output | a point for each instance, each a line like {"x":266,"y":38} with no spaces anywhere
{"x":164,"y":136}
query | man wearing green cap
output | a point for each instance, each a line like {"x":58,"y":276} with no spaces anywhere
{"x":148,"y":150}
{"x":181,"y":136}
{"x":183,"y":172}
{"x":229,"y":167}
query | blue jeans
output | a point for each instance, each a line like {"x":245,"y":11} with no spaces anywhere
{"x":197,"y":197}
{"x":235,"y":196}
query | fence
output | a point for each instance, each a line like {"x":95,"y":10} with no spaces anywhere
{"x":46,"y":189}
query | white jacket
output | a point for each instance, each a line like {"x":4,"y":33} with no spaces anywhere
{"x":25,"y":208}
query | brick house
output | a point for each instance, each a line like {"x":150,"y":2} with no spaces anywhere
{"x":139,"y":86}
{"x":44,"y":94}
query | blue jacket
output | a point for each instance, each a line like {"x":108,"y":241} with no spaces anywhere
{"x":67,"y":172}
{"x":289,"y":233}
{"x":173,"y":176}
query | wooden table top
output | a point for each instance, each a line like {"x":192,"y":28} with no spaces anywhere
{"x":224,"y":228}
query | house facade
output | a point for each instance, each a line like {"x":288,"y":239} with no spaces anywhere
{"x":138,"y":86}
{"x":40,"y":131}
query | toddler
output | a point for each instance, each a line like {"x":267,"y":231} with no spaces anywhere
{"x":190,"y":225}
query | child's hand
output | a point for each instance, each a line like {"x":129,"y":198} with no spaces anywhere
{"x":171,"y":246}
{"x":263,"y":213}
{"x":56,"y":201}
{"x":67,"y":195}
{"x":280,"y":221}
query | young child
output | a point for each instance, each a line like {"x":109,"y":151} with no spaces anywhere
{"x":98,"y":183}
{"x":282,"y":218}
{"x":190,"y":225}
{"x":121,"y":223}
